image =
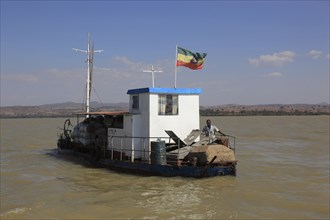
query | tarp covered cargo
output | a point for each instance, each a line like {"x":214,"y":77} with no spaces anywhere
{"x":206,"y":153}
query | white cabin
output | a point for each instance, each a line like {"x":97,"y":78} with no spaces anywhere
{"x":151,"y":112}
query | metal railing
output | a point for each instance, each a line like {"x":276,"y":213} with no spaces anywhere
{"x":127,"y":146}
{"x":232,"y":139}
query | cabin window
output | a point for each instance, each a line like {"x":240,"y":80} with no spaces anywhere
{"x":168,"y":104}
{"x":135,"y":102}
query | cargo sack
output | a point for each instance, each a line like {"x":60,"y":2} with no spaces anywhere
{"x":206,"y":153}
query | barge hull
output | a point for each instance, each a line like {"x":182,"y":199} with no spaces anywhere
{"x":142,"y":168}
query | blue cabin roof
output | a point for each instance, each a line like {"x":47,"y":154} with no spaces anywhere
{"x":186,"y":91}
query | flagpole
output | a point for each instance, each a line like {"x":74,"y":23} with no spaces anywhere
{"x":176,"y":68}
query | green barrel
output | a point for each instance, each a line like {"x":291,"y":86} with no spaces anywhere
{"x":158,"y":152}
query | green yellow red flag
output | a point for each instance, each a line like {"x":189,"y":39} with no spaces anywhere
{"x":189,"y":59}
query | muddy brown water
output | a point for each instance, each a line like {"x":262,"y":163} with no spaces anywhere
{"x":283,"y":173}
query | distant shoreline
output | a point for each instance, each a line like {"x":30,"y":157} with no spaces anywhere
{"x":274,"y":115}
{"x":71,"y":110}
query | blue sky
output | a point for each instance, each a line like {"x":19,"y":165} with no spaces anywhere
{"x":258,"y":52}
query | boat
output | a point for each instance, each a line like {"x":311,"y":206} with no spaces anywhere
{"x":147,"y":139}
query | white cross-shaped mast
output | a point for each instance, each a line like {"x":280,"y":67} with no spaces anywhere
{"x":89,"y":61}
{"x":152,"y":71}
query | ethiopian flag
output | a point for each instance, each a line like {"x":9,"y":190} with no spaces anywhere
{"x":189,"y":59}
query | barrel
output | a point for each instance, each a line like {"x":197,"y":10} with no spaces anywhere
{"x":158,"y":152}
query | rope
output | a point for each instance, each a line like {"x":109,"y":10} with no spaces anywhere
{"x":97,"y":95}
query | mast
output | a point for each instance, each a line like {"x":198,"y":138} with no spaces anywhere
{"x":89,"y":61}
{"x":176,"y":67}
{"x":89,"y":81}
{"x":152,"y":71}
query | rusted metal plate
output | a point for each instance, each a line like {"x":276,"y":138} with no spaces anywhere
{"x":105,"y":113}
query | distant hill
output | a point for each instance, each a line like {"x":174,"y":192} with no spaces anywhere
{"x":94,"y":105}
{"x":69,"y":109}
{"x":65,"y":109}
{"x":270,"y":109}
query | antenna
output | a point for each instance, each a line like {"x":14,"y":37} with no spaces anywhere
{"x":89,"y":61}
{"x":152,"y":71}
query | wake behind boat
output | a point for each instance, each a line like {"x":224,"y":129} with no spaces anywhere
{"x":147,"y":139}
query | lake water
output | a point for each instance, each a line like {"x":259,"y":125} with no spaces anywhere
{"x":283,"y":173}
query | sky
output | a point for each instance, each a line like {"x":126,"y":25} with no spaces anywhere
{"x":258,"y":52}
